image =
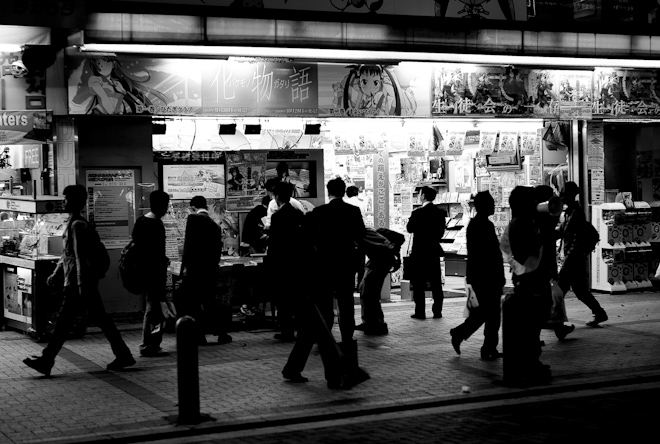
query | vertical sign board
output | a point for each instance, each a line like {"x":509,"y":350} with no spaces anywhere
{"x":381,"y":187}
{"x":111,"y":206}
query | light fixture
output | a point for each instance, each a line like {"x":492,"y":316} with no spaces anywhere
{"x":9,"y":47}
{"x":227,"y":129}
{"x":158,"y":127}
{"x":252,"y":129}
{"x":382,"y":57}
{"x":312,"y":129}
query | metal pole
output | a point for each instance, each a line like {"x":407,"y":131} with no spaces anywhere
{"x":187,"y":371}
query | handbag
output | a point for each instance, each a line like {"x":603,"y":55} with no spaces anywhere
{"x":408,"y":263}
{"x":558,"y":309}
{"x":471,"y":302}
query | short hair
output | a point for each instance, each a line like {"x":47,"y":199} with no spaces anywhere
{"x":198,"y":202}
{"x":76,"y":195}
{"x":283,"y":191}
{"x":336,"y":187}
{"x":270,"y":184}
{"x":482,"y":199}
{"x":544,"y":193}
{"x":429,"y":193}
{"x":352,"y":191}
{"x":158,"y":201}
{"x":570,"y":189}
{"x":265,"y":200}
{"x":522,"y":201}
{"x":4,"y":216}
{"x":282,"y":166}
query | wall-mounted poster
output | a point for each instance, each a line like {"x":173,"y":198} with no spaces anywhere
{"x":368,"y":90}
{"x":183,"y":181}
{"x":260,"y":88}
{"x":626,"y":92}
{"x":111,"y":205}
{"x":133,"y":85}
{"x":246,"y":180}
{"x":575,"y":94}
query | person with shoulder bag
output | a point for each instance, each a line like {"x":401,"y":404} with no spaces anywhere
{"x":79,"y":271}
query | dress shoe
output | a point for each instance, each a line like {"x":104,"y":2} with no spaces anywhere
{"x":563,"y":331}
{"x":437,"y":315}
{"x":376,"y":331}
{"x":121,"y":362}
{"x":224,"y":339}
{"x":40,"y":364}
{"x":284,"y":337}
{"x":598,"y":318}
{"x":360,"y":327}
{"x":421,"y":317}
{"x":294,"y":377}
{"x":455,"y":341}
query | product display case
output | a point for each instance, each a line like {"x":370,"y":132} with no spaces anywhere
{"x":31,"y":231}
{"x":623,"y":258}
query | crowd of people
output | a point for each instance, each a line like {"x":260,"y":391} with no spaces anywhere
{"x":334,"y":241}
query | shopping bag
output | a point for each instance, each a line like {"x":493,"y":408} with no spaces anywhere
{"x":558,"y":309}
{"x":471,"y":302}
{"x":408,"y":267}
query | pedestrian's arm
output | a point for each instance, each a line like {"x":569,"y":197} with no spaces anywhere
{"x":83,"y":267}
{"x":410,"y":226}
{"x":57,"y":274}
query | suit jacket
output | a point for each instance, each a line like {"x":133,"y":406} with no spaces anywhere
{"x":336,"y":228}
{"x":485,"y":265}
{"x":202,"y":248}
{"x":427,"y":224}
{"x":284,"y":235}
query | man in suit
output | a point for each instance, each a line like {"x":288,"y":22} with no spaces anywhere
{"x":427,"y":224}
{"x":200,"y":267}
{"x":284,"y":235}
{"x":336,"y":229}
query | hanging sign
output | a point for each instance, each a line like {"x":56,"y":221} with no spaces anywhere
{"x":25,"y":127}
{"x":381,"y":190}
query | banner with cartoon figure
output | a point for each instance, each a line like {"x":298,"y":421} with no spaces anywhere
{"x":130,"y":85}
{"x":626,"y":92}
{"x":372,"y":90}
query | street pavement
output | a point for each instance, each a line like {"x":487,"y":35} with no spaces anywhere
{"x":414,"y":370}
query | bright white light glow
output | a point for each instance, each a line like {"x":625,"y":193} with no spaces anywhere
{"x":10,"y":47}
{"x":344,"y":54}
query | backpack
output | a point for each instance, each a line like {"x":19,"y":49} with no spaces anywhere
{"x":397,"y":239}
{"x":100,"y":258}
{"x":590,"y":236}
{"x":130,"y":270}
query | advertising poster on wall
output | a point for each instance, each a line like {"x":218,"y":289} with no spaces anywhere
{"x":111,"y":205}
{"x":134,"y":85}
{"x":371,"y":90}
{"x":575,"y":94}
{"x":246,"y":180}
{"x":25,"y":127}
{"x":626,"y":92}
{"x":185,"y":181}
{"x":260,"y":88}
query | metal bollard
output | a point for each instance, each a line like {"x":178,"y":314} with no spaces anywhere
{"x":187,"y":371}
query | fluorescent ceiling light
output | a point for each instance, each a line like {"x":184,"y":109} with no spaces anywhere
{"x":10,"y":47}
{"x":338,"y":55}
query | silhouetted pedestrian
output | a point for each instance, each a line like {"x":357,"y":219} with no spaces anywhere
{"x":427,"y":224}
{"x":76,"y":270}
{"x":485,"y":276}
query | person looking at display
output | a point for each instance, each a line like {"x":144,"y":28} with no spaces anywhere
{"x":485,"y":276}
{"x":272,"y":205}
{"x":253,"y":227}
{"x":149,"y":237}
{"x":200,"y":268}
{"x":75,"y":270}
{"x":285,"y":232}
{"x":427,"y":225}
{"x":352,"y":198}
{"x":573,"y":273}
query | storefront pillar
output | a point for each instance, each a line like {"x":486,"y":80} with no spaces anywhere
{"x":66,"y":154}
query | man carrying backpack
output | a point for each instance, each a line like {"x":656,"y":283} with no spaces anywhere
{"x":382,"y":247}
{"x":578,"y":240}
{"x":78,"y":269}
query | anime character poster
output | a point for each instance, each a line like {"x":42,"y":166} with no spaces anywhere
{"x":374,"y":90}
{"x":498,"y":91}
{"x":575,"y":94}
{"x":122,"y":85}
{"x":455,"y":141}
{"x":543,"y":88}
{"x":246,"y":180}
{"x":487,"y":142}
{"x":626,"y":92}
{"x":450,"y":89}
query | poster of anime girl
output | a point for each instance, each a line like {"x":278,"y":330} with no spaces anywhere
{"x":450,"y":89}
{"x":575,"y":94}
{"x":374,"y":90}
{"x":543,"y":89}
{"x":622,"y":92}
{"x":113,"y":85}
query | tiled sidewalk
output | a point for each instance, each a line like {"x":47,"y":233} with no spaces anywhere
{"x":241,"y":383}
